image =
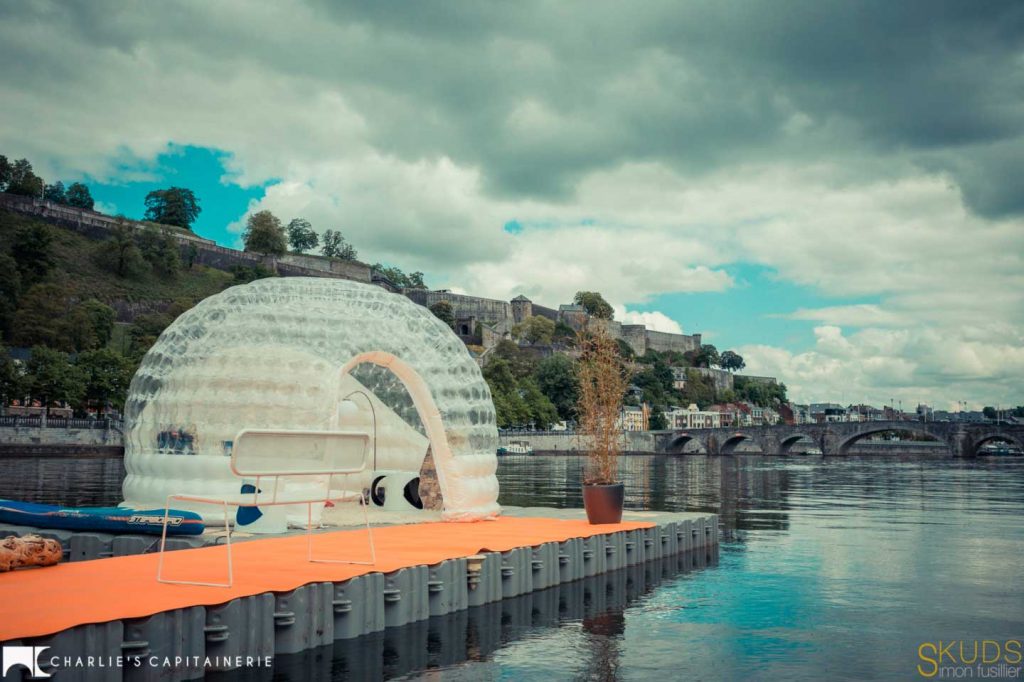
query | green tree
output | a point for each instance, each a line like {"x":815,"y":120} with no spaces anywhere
{"x":244,"y":274}
{"x":509,"y":405}
{"x":5,"y":173}
{"x":301,"y":235}
{"x":144,"y":332}
{"x":543,"y":412}
{"x":520,"y":362}
{"x":732,"y":361}
{"x":191,"y":254}
{"x":556,"y":378}
{"x":535,"y":329}
{"x":594,"y":304}
{"x":31,"y":249}
{"x":398,"y":278}
{"x":10,"y":291}
{"x":335,"y":246}
{"x":76,"y":330}
{"x":120,"y":254}
{"x":264,"y":234}
{"x":989,"y":412}
{"x":564,"y":334}
{"x":160,"y":249}
{"x":707,"y":356}
{"x":699,"y":390}
{"x":101,"y":318}
{"x":106,"y":375}
{"x":40,"y":317}
{"x":443,"y":311}
{"x":12,"y":380}
{"x":174,"y":206}
{"x":22,"y":180}
{"x":55,"y":193}
{"x":51,"y":378}
{"x":625,"y":350}
{"x":657,"y":422}
{"x":79,"y":196}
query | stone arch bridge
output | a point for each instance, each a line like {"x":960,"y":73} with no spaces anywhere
{"x":836,"y":438}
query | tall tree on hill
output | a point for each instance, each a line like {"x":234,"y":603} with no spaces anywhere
{"x":301,"y":235}
{"x":11,"y":378}
{"x":174,"y":206}
{"x":160,"y":249}
{"x":10,"y":291}
{"x":264,"y":234}
{"x":79,"y":196}
{"x":5,"y":172}
{"x":32,"y":251}
{"x":335,"y":246}
{"x":56,"y":193}
{"x":732,"y":361}
{"x":120,"y":254}
{"x":707,"y":356}
{"x":413,"y":280}
{"x":20,"y":179}
{"x":45,"y":318}
{"x":594,"y":304}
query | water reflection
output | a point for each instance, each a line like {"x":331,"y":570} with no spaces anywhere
{"x":581,"y":624}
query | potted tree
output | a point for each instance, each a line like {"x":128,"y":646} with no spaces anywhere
{"x":603,"y":381}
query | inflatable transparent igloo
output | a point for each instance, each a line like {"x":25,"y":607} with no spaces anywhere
{"x":285,"y":353}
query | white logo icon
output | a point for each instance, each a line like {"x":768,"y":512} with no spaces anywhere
{"x":27,"y":656}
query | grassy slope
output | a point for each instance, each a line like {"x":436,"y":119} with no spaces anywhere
{"x":77,"y":270}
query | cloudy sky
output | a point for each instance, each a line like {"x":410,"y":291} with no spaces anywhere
{"x":831,"y":188}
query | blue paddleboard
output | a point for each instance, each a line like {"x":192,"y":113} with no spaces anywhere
{"x":106,"y":519}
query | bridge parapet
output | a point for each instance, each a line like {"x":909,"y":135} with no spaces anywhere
{"x":836,"y":438}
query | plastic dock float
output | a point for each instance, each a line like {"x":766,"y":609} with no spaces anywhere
{"x":114,"y":609}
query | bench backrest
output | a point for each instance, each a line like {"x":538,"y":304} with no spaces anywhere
{"x":282,"y":452}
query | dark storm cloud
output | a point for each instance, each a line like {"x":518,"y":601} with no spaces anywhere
{"x":939,"y":83}
{"x":538,"y":94}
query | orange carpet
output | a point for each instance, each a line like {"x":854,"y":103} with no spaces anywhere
{"x":42,"y":601}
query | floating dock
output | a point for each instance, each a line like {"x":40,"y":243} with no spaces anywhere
{"x":114,"y":610}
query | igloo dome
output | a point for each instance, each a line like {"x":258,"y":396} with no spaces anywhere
{"x":283,"y":353}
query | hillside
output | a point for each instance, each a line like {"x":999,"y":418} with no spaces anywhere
{"x":77,"y":271}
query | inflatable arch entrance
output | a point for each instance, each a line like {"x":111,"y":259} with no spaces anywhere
{"x":285,"y":353}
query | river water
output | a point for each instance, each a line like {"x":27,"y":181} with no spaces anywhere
{"x":828,"y":568}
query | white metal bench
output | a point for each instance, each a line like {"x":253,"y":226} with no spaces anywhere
{"x":266,"y":456}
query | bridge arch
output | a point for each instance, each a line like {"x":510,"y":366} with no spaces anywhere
{"x":903,"y":427}
{"x":733,"y":441}
{"x":991,"y":436}
{"x":786,"y":444}
{"x":680,"y":442}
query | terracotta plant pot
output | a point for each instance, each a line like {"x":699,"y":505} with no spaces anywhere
{"x":604,"y":503}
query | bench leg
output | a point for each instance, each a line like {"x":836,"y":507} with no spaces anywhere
{"x":163,"y":542}
{"x":309,"y":539}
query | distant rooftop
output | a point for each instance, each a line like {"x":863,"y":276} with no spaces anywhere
{"x":521,"y":299}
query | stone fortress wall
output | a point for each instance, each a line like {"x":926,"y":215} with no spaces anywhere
{"x":99,"y":226}
{"x":502,"y":316}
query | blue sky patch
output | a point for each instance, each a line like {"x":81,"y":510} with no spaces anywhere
{"x":200,"y":169}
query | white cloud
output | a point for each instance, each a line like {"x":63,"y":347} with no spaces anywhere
{"x":879,"y":365}
{"x":655,"y":320}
